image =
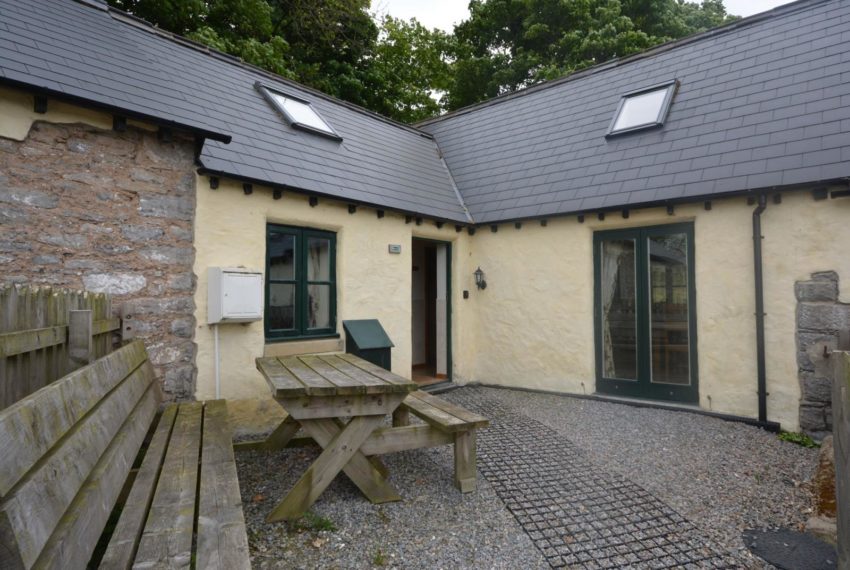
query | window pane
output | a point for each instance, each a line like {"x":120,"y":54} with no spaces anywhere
{"x":619,"y":318}
{"x":302,"y":113}
{"x":281,"y":256}
{"x":281,"y":306}
{"x":319,"y":306}
{"x":668,"y":274}
{"x":318,"y":259}
{"x":640,"y":109}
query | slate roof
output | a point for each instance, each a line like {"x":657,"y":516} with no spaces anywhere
{"x":762,"y":103}
{"x":86,"y":51}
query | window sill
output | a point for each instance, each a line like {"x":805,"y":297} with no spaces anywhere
{"x":302,"y":345}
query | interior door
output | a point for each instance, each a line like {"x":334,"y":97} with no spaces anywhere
{"x":644,"y":313}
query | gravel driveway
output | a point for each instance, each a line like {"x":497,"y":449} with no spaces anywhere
{"x":563,"y":482}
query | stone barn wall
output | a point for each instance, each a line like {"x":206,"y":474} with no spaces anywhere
{"x":88,"y":207}
{"x":820,"y":320}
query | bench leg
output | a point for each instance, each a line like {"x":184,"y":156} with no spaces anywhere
{"x":465,"y":459}
{"x":401,"y":417}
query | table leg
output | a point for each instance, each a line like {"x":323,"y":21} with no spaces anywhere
{"x":319,"y":475}
{"x":401,"y":417}
{"x":368,"y":473}
{"x":282,"y":434}
{"x":465,"y":455}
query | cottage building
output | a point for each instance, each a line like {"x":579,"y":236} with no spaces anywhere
{"x":669,"y":227}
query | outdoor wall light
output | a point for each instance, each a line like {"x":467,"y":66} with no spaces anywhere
{"x":479,"y":279}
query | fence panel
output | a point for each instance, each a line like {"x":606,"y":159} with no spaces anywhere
{"x":34,"y":336}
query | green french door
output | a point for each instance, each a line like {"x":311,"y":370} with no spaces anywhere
{"x":644,"y":313}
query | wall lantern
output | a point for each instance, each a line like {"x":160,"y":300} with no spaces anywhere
{"x":479,"y":279}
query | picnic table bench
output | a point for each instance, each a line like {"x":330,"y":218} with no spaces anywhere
{"x":340,"y":401}
{"x":68,"y":455}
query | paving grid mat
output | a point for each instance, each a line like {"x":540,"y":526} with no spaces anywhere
{"x":578,"y":515}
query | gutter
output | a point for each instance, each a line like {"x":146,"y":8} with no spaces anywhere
{"x":759,"y":287}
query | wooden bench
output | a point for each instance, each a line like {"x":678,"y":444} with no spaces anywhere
{"x":68,"y":455}
{"x":448,"y":423}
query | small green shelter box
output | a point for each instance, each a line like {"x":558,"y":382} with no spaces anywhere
{"x":367,"y":339}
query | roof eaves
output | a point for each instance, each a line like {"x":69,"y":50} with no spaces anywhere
{"x":204,"y":171}
{"x":617,"y":62}
{"x":114,"y":109}
{"x":797,"y":187}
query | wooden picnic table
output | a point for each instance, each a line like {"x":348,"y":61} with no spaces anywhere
{"x":319,"y":392}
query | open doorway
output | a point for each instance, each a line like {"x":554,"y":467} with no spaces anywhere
{"x":430,"y":311}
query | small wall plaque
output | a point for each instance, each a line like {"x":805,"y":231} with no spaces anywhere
{"x":395,"y":248}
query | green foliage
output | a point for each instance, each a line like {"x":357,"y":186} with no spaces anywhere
{"x":798,"y":438}
{"x":506,"y":45}
{"x":311,"y":522}
{"x":408,"y":72}
{"x":380,"y":559}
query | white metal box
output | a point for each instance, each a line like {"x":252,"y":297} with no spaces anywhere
{"x":234,"y":295}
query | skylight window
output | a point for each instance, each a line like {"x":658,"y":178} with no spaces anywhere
{"x":643,"y":109}
{"x":298,"y":112}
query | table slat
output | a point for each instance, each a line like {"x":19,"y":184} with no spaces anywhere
{"x":346,"y":384}
{"x":372,"y":384}
{"x":314,"y":383}
{"x":279,"y":378}
{"x":401,"y":384}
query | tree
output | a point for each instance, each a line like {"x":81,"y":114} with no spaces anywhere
{"x":409,"y":70}
{"x":506,"y":45}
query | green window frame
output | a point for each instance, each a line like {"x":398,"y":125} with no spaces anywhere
{"x":643,"y":385}
{"x":291,"y":322}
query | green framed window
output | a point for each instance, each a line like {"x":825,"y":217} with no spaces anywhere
{"x":300,"y":283}
{"x":644,"y":309}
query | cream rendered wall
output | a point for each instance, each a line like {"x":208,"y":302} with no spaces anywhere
{"x":533,"y":325}
{"x":535,"y":321}
{"x":230,"y":230}
{"x":16,"y":111}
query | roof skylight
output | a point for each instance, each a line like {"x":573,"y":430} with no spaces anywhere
{"x":643,"y":109}
{"x":298,"y":112}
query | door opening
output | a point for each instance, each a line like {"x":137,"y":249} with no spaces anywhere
{"x":430,"y":311}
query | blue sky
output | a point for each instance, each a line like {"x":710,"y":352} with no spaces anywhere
{"x":445,"y":13}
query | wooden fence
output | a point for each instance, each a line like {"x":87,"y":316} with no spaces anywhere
{"x":45,"y":333}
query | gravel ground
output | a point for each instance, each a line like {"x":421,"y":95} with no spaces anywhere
{"x":720,"y":476}
{"x":435,"y":526}
{"x":723,"y":477}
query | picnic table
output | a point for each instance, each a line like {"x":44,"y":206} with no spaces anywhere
{"x":319,"y":393}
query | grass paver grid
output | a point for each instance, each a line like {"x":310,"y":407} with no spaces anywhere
{"x":577,"y":515}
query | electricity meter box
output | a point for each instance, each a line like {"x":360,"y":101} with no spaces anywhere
{"x":234,"y":295}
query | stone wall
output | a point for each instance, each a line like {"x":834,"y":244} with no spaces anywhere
{"x":841,"y":398}
{"x":83,"y":207}
{"x":820,"y":318}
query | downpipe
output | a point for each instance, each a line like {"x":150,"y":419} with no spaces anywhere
{"x":759,"y":285}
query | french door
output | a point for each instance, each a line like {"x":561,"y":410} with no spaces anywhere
{"x":644,"y":313}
